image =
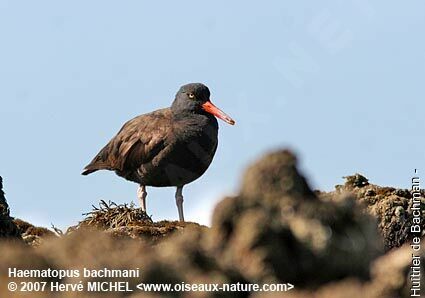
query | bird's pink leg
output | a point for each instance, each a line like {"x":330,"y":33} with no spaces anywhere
{"x":179,"y":202}
{"x":141,"y":194}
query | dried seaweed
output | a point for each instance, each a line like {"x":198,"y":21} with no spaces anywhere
{"x":111,"y":215}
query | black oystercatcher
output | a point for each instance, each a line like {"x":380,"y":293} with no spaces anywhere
{"x":168,"y":147}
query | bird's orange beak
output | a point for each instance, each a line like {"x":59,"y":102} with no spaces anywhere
{"x":212,"y":109}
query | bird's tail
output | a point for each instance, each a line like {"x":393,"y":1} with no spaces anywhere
{"x":96,"y":165}
{"x":100,"y":162}
{"x":88,"y":171}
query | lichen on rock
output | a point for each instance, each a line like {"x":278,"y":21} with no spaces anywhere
{"x":390,"y":206}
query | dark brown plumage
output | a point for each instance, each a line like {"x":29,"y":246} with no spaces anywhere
{"x":168,"y":147}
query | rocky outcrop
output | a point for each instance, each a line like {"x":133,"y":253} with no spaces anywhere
{"x":278,"y":230}
{"x":392,"y":207}
{"x":7,"y":228}
{"x":275,"y":230}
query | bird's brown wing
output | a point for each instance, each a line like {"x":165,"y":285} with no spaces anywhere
{"x":138,"y":142}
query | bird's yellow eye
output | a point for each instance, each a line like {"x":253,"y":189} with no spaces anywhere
{"x":191,"y":95}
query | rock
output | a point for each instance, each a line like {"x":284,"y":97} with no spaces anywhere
{"x":275,"y":230}
{"x":389,"y":278}
{"x":31,"y":234}
{"x":126,"y":221}
{"x":3,"y":203}
{"x":392,"y":207}
{"x":7,"y":228}
{"x":390,"y":273}
{"x":278,"y":230}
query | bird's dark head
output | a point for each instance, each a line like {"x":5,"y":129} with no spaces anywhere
{"x":195,"y":98}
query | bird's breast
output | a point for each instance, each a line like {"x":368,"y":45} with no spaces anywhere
{"x":189,"y":153}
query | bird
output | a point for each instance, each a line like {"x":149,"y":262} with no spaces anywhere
{"x":168,"y":147}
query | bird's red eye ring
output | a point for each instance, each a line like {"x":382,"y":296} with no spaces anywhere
{"x":191,"y":95}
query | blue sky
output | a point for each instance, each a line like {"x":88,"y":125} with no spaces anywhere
{"x":340,"y":82}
